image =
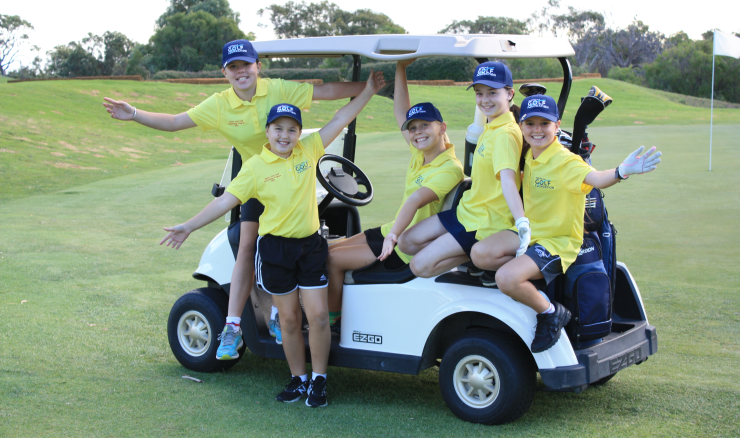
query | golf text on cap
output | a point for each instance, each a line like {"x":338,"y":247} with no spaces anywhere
{"x":285,"y":109}
{"x":486,"y":71}
{"x":537,"y":103}
{"x":416,"y":110}
{"x":237,"y":48}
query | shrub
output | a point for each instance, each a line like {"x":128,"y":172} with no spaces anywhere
{"x":172,"y":74}
{"x":326,"y":74}
{"x":627,"y":74}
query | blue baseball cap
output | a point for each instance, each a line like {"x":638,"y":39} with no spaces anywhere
{"x":238,"y":50}
{"x":494,"y":74}
{"x":284,"y":110}
{"x":541,"y":106}
{"x":422,"y":111}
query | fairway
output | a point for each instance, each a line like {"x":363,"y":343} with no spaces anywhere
{"x":86,"y":293}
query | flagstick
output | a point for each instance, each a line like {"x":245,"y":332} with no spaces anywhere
{"x":711,"y":114}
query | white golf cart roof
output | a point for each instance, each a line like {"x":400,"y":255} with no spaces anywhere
{"x":399,"y":47}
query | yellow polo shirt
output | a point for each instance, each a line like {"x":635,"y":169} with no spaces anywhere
{"x":243,"y":123}
{"x":483,"y":207}
{"x":286,"y":187}
{"x":440,"y":176}
{"x":555,"y":200}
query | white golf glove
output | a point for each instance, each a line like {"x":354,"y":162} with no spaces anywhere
{"x":643,"y":164}
{"x":525,"y":235}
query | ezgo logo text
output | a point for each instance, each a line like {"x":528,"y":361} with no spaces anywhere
{"x":368,"y":339}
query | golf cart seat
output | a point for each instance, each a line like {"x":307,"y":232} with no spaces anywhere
{"x":379,"y":273}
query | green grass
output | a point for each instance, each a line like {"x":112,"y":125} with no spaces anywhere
{"x":57,"y":134}
{"x":86,"y":354}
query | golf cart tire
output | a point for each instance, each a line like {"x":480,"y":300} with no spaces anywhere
{"x":494,"y":357}
{"x":196,"y":319}
{"x":603,"y":380}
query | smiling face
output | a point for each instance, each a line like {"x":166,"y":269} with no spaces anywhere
{"x":283,"y":135}
{"x":242,"y":75}
{"x":492,"y":101}
{"x":425,"y":135}
{"x":539,"y":133}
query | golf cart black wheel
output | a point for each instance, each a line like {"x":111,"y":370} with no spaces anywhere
{"x":196,"y":320}
{"x":487,"y":378}
{"x":603,"y":380}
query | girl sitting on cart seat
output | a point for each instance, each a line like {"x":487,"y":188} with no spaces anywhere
{"x":433,"y":171}
{"x":291,"y":255}
{"x":238,"y":114}
{"x":492,"y":204}
{"x":555,"y":185}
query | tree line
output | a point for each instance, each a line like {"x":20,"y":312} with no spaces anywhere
{"x":188,"y":37}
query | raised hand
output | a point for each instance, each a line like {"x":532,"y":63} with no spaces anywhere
{"x":388,"y":244}
{"x":176,"y":237}
{"x":375,"y":81}
{"x":405,"y":63}
{"x":635,"y":164}
{"x":119,"y":109}
{"x":525,"y":235}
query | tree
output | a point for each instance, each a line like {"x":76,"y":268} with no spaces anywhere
{"x":118,"y":49}
{"x":365,"y":22}
{"x":12,"y":38}
{"x":188,"y":41}
{"x":217,"y":8}
{"x":634,"y":45}
{"x":487,"y":25}
{"x":94,"y":55}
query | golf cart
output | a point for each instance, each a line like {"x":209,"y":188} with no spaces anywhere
{"x":393,"y":321}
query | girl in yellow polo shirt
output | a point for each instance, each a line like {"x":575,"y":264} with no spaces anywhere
{"x":432,"y":173}
{"x":239,"y":115}
{"x":291,"y":255}
{"x":555,"y":185}
{"x":492,"y":204}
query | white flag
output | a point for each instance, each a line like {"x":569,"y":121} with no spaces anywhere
{"x":726,"y":44}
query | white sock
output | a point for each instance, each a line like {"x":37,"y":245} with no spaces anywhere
{"x":550,"y":309}
{"x":273,"y":312}
{"x":314,"y":376}
{"x":303,"y":377}
{"x":233,"y":320}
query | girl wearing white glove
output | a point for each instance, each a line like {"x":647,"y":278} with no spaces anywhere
{"x":555,"y":184}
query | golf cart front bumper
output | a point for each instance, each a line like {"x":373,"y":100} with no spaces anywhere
{"x":616,"y":352}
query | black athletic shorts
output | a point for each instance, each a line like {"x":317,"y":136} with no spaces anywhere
{"x":375,"y":241}
{"x":550,"y":265}
{"x":466,"y":239}
{"x":251,"y":211}
{"x":282,"y":264}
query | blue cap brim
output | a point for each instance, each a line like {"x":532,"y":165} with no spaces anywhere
{"x":300,"y":123}
{"x":491,"y":84}
{"x":405,"y":126}
{"x":241,"y":58}
{"x":547,"y":116}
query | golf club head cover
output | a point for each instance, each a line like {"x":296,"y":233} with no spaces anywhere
{"x":525,"y":235}
{"x":636,"y":164}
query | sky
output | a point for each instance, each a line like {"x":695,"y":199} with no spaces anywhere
{"x":59,"y":22}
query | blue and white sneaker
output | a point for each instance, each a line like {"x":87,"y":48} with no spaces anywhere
{"x":231,"y":342}
{"x":274,"y":327}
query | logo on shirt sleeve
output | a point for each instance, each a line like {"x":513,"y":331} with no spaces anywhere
{"x":542,"y":183}
{"x":419,"y":180}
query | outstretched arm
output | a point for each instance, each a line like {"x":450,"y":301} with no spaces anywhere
{"x":123,"y":111}
{"x":337,"y":90}
{"x":217,"y":208}
{"x":401,"y":100}
{"x":347,"y":113}
{"x":418,"y":199}
{"x":634,"y":164}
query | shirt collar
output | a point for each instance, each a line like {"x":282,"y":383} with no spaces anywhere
{"x":269,"y":156}
{"x":448,"y":154}
{"x":236,"y":101}
{"x":507,"y":117}
{"x":548,"y":153}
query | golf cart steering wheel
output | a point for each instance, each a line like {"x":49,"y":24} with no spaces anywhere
{"x":341,"y":185}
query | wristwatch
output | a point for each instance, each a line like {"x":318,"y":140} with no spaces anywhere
{"x":618,"y":176}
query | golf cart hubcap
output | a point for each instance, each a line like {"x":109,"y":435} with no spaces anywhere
{"x":476,"y":381}
{"x":194,"y":333}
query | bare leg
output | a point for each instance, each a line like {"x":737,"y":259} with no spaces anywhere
{"x":439,"y":256}
{"x":289,"y":308}
{"x":243,"y":275}
{"x":512,"y":280}
{"x":350,"y":254}
{"x":495,"y":250}
{"x":420,"y":235}
{"x":319,"y":334}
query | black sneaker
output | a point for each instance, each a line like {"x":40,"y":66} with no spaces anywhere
{"x":547,"y":332}
{"x":294,"y":391}
{"x":488,"y":279}
{"x":317,"y":393}
{"x":475,"y":271}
